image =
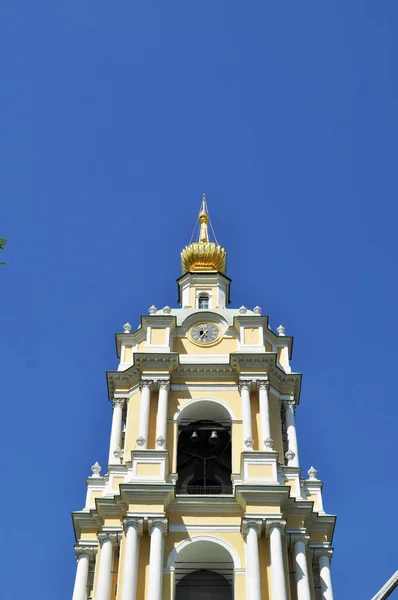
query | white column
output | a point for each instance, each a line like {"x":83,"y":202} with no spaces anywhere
{"x":83,"y":554}
{"x":267,"y":443}
{"x":252,"y":529}
{"x":292,"y":453}
{"x":244,"y":389}
{"x":326,"y":580}
{"x":145,"y":404}
{"x":133,"y":531}
{"x":301,"y":567}
{"x":107,"y":541}
{"x":157,"y":529}
{"x":275,"y":530}
{"x":116,"y":431}
{"x":161,"y":421}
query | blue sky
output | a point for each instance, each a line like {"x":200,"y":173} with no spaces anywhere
{"x":115,"y":117}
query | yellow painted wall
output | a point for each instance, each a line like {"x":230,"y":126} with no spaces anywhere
{"x":131,"y":435}
{"x":158,"y":336}
{"x":251,"y":335}
{"x":265,"y":568}
{"x":268,"y":346}
{"x":148,"y":469}
{"x":184,"y":346}
{"x":128,"y":353}
{"x":152,"y":420}
{"x":276,"y":427}
{"x":259,"y":471}
{"x":255,"y":419}
{"x":143,"y":568}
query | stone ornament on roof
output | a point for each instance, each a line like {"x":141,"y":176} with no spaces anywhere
{"x":96,"y":469}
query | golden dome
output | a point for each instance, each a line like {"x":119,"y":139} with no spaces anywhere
{"x":203,"y":255}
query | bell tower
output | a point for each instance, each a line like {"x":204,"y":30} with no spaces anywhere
{"x":203,"y":496}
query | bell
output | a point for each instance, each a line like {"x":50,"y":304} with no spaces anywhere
{"x":194,"y":437}
{"x":213,"y":439}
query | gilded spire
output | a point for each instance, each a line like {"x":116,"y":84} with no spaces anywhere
{"x":203,"y":255}
{"x":204,"y":221}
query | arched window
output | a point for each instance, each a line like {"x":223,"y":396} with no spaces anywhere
{"x":203,"y":301}
{"x":204,"y":457}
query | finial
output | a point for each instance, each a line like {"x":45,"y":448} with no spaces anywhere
{"x":126,"y":328}
{"x":167,"y":310}
{"x":312,"y":473}
{"x":204,"y":220}
{"x":96,"y":469}
{"x":152,"y":310}
{"x":281,"y":330}
{"x":257,"y":310}
{"x":243,"y":310}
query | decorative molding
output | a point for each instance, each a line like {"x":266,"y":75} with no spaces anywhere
{"x":249,"y":443}
{"x":271,"y":523}
{"x":96,"y":469}
{"x":164,"y":384}
{"x":136,"y":522}
{"x":263,"y":384}
{"x":118,"y":453}
{"x":89,"y":551}
{"x":244,"y":385}
{"x":145,"y":383}
{"x":300,"y":537}
{"x":158,"y":522}
{"x":255,"y":523}
{"x":105,"y":536}
{"x":204,"y":538}
{"x":118,"y":402}
{"x":281,"y":330}
{"x":160,"y":441}
{"x":140,"y":441}
{"x":269,"y":443}
{"x":290,"y":455}
{"x":312,"y":473}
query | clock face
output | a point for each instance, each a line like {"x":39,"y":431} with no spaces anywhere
{"x":204,"y":333}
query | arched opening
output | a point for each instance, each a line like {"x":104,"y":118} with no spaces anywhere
{"x":204,"y":570}
{"x":204,"y":457}
{"x":203,"y":584}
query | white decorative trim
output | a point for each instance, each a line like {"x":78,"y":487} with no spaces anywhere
{"x":203,"y":538}
{"x":176,"y":387}
{"x":204,"y":527}
{"x":179,"y":412}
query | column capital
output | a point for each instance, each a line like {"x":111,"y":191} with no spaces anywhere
{"x":272,"y":523}
{"x":164,"y":384}
{"x":256,"y":524}
{"x":146,"y":383}
{"x":325,"y":551}
{"x":300,"y":537}
{"x":105,"y":536}
{"x":118,"y":402}
{"x":89,"y":551}
{"x":244,"y":384}
{"x":136,"y":522}
{"x":263,"y":384}
{"x":291,"y":403}
{"x":158,"y":522}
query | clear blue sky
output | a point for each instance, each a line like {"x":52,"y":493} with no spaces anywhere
{"x":115,"y":117}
